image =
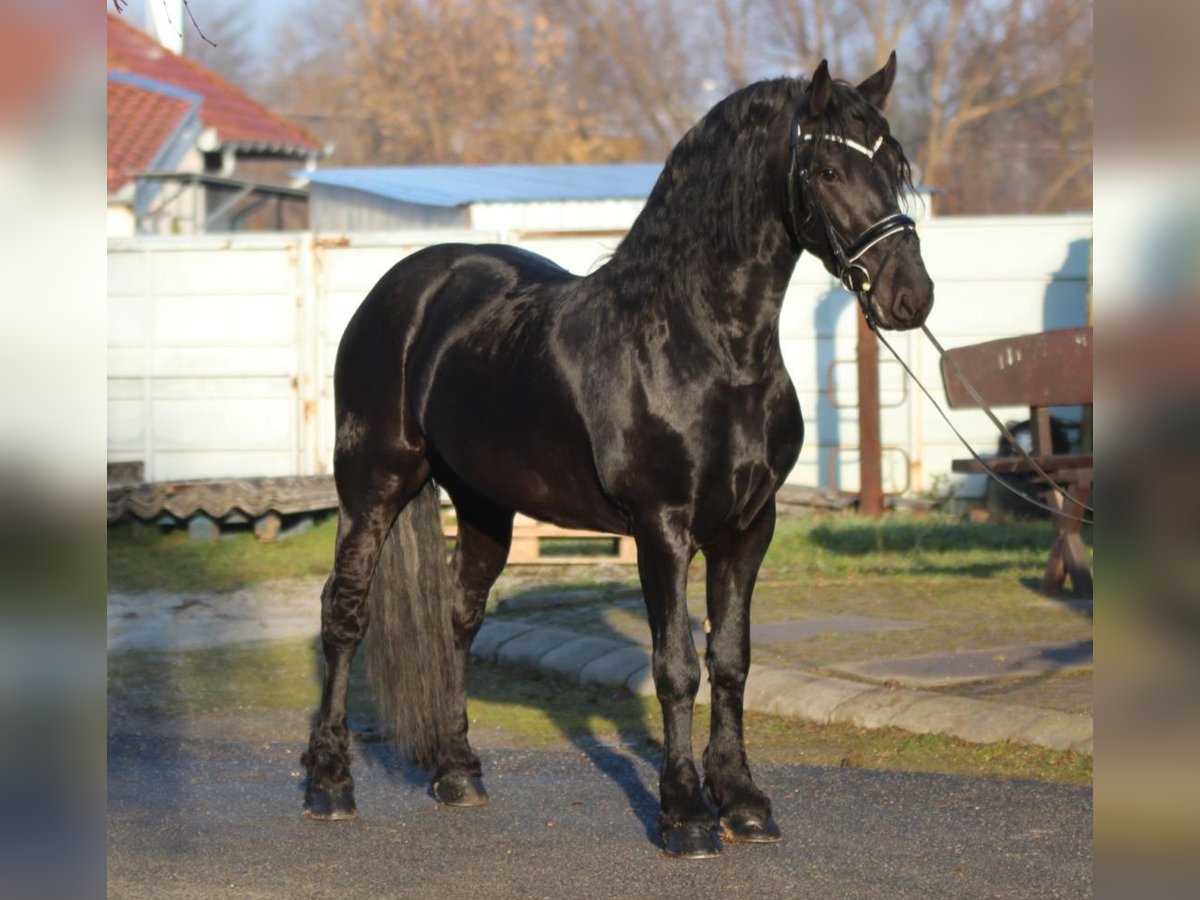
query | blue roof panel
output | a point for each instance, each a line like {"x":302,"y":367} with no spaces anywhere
{"x":451,"y":186}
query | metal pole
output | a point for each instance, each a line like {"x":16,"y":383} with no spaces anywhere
{"x":870,"y":466}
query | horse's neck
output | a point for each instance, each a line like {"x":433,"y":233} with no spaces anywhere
{"x":730,"y":287}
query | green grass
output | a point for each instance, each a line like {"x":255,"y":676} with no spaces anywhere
{"x":242,"y":686}
{"x":850,"y":548}
{"x":844,"y":549}
{"x":144,"y":558}
{"x":970,"y":583}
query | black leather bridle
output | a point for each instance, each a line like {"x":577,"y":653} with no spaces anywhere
{"x":846,"y":257}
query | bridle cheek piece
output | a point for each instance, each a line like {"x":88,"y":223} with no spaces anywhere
{"x":850,"y":271}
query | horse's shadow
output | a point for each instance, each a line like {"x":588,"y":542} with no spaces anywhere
{"x":606,"y":710}
{"x":621,"y":769}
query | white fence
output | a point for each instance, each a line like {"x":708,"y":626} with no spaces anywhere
{"x":221,"y":348}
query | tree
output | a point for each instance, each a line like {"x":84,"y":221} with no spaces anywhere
{"x":995,"y":72}
{"x":629,"y":64}
{"x":993,"y":103}
{"x":466,"y":81}
{"x":225,"y":47}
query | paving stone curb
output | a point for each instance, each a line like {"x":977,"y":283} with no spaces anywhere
{"x":789,"y":692}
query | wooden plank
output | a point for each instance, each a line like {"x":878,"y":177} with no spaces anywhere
{"x":133,"y":472}
{"x":1050,"y":368}
{"x":526,"y":547}
{"x":1009,"y":464}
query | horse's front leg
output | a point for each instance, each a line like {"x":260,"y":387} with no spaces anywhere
{"x":685,"y":822}
{"x":732,"y":567}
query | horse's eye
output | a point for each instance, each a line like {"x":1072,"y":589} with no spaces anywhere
{"x":828,"y":174}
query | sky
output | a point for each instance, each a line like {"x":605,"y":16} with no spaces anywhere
{"x":265,"y":13}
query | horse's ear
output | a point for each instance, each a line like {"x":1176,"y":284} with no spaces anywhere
{"x":875,"y":89}
{"x":820,"y":90}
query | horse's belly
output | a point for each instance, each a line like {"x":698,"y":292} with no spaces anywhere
{"x":523,"y":449}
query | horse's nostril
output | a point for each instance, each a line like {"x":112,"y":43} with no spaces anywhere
{"x":904,"y":306}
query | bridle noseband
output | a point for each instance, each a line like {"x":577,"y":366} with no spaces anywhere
{"x":852,"y":273}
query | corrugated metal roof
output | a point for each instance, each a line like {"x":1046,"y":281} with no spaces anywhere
{"x":450,"y":186}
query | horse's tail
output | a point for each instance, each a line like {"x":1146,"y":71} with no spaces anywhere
{"x":409,"y":640}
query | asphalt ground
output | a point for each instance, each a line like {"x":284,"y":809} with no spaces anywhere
{"x":203,"y":805}
{"x":196,"y":814}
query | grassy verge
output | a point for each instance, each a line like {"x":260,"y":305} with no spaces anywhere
{"x":811,"y":551}
{"x":145,"y":558}
{"x":526,"y":709}
{"x":967,"y":584}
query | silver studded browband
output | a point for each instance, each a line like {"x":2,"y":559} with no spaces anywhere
{"x":868,"y":152}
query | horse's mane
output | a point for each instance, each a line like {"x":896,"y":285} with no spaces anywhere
{"x":723,"y":179}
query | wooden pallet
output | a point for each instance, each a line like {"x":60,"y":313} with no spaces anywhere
{"x":527,"y":547}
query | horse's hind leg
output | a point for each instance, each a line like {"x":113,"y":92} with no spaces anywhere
{"x":745,"y":811}
{"x":484,"y":536}
{"x":370,"y":499}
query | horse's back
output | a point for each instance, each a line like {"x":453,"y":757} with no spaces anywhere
{"x":425,"y":291}
{"x":401,"y":298}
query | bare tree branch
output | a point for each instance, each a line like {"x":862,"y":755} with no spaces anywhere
{"x":188,"y":9}
{"x":579,"y":80}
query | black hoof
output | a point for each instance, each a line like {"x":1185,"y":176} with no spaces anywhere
{"x":457,"y":789}
{"x":333,"y":805}
{"x":691,"y":842}
{"x":750,"y":828}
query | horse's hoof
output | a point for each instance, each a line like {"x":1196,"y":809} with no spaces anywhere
{"x":460,"y":790}
{"x":691,"y":841}
{"x":750,"y":828}
{"x":334,"y":805}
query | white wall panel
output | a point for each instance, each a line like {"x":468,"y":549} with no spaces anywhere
{"x":221,"y":349}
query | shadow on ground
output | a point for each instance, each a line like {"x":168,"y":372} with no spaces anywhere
{"x":610,"y":727}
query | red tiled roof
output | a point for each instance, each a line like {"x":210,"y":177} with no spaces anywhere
{"x":140,"y":120}
{"x":235,"y":117}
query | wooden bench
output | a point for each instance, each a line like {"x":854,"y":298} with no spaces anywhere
{"x":1052,"y":368}
{"x":528,"y":549}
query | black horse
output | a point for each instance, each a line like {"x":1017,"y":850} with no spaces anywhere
{"x":648,"y":398}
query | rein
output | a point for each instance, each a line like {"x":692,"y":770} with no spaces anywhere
{"x":846,"y":261}
{"x":995,"y":421}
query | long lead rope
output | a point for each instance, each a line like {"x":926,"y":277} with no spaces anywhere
{"x":996,"y":421}
{"x":1003,"y":429}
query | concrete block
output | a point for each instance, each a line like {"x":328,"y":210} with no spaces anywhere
{"x":615,"y":667}
{"x":989,"y":723}
{"x":492,"y":635}
{"x":569,"y":659}
{"x":203,"y":528}
{"x":528,"y":649}
{"x":783,"y":692}
{"x":641,"y":683}
{"x":876,"y":708}
{"x":1056,"y":730}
